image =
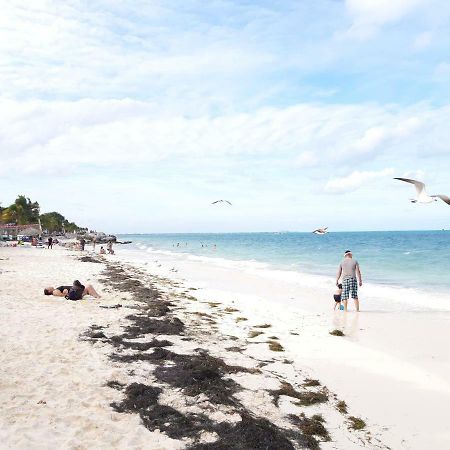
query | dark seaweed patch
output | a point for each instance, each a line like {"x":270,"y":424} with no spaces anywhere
{"x":305,"y":398}
{"x":311,"y":383}
{"x":197,"y":374}
{"x":341,"y":406}
{"x":118,"y":341}
{"x":249,"y":434}
{"x":312,"y":426}
{"x":175,"y":424}
{"x":143,"y":324}
{"x":337,"y":333}
{"x":356,"y":423}
{"x":157,"y":356}
{"x":113,"y":384}
{"x":89,"y":259}
{"x":137,"y":396}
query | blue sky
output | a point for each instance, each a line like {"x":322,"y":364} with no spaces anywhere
{"x":134,"y":116}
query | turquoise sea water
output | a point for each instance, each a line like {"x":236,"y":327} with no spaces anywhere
{"x":418,"y":259}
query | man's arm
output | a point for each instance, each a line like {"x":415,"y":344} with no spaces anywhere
{"x":338,"y":275}
{"x":58,"y":293}
{"x":358,"y":274}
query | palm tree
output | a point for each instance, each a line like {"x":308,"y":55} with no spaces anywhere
{"x":22,"y":211}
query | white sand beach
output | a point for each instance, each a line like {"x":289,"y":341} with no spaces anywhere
{"x":391,"y":367}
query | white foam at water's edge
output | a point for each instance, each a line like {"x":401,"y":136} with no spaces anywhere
{"x":405,"y":297}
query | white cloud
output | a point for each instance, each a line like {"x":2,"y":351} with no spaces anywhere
{"x":355,"y":180}
{"x":306,"y":159}
{"x":35,"y":136}
{"x":370,"y":15}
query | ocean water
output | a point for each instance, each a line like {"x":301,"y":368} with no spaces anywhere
{"x":412,"y":259}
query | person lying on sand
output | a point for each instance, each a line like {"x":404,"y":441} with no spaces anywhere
{"x":74,"y":292}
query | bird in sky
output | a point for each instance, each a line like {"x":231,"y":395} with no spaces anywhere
{"x":421,"y":194}
{"x":221,"y":201}
{"x":321,"y":230}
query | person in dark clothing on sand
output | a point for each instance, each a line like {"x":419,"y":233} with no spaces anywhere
{"x":50,"y":242}
{"x":75,"y":292}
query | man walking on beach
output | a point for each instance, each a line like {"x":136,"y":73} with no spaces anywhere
{"x":349,"y":270}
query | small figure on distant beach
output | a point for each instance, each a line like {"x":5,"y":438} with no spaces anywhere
{"x":75,"y":292}
{"x":109,"y":247}
{"x":102,"y":250}
{"x":82,"y":244}
{"x":350,"y":273}
{"x":337,"y":296}
{"x":50,"y":242}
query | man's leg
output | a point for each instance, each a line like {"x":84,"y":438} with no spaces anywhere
{"x":89,"y":290}
{"x":356,"y":304}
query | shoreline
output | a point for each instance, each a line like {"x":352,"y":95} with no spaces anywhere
{"x":385,"y":293}
{"x":393,"y":354}
{"x":214,"y":319}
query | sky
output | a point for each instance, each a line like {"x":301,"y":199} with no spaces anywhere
{"x":133,"y":116}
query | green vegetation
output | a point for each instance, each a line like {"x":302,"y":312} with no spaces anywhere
{"x":275,"y":346}
{"x":356,"y":423}
{"x":342,"y":407}
{"x":254,"y":333}
{"x":311,"y":383}
{"x":23,"y":211}
{"x":311,"y":398}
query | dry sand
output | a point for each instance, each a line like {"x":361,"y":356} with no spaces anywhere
{"x":53,"y":382}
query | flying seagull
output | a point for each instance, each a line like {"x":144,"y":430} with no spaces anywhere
{"x":321,"y":230}
{"x":221,"y":201}
{"x":422,"y":196}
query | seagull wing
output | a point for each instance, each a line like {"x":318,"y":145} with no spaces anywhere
{"x":228,"y":202}
{"x":444,"y":198}
{"x":420,"y":187}
{"x":217,"y":201}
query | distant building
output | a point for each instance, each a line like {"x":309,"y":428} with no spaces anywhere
{"x":12,"y":230}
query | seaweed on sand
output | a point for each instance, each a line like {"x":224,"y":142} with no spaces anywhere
{"x":174,"y":423}
{"x":311,"y":398}
{"x":93,"y":333}
{"x":341,"y":406}
{"x":202,"y":373}
{"x":137,"y":396}
{"x":312,"y":426}
{"x":157,"y":356}
{"x":309,"y":382}
{"x":356,"y":423}
{"x":337,"y":333}
{"x":248,"y":434}
{"x":118,"y":341}
{"x":113,"y":384}
{"x":275,"y":346}
{"x":143,"y":399}
{"x":89,"y":259}
{"x":305,"y":398}
{"x":254,"y":333}
{"x":143,"y":324}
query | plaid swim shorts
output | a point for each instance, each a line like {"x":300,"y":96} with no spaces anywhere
{"x":349,"y":288}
